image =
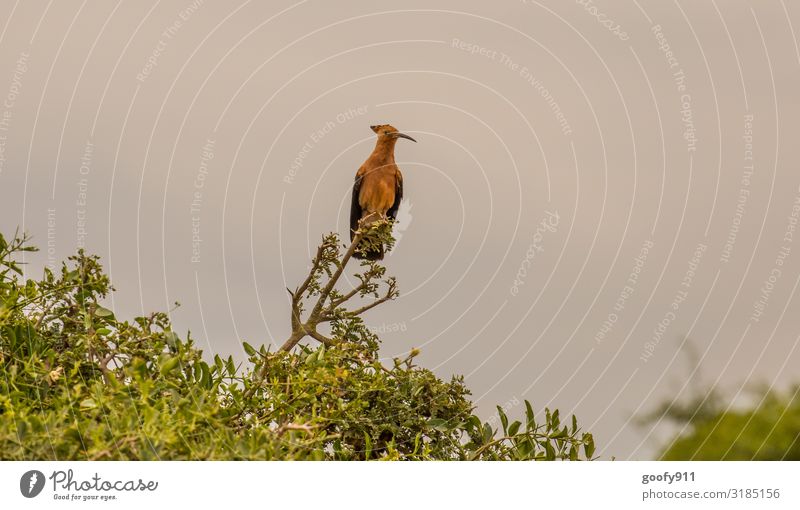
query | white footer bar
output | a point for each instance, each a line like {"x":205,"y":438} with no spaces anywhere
{"x":348,"y":485}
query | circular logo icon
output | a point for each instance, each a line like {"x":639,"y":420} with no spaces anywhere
{"x":31,"y":483}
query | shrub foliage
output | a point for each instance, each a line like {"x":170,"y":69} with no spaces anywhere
{"x":76,"y":382}
{"x":710,"y":428}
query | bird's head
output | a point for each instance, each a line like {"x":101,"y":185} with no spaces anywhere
{"x":388,"y":132}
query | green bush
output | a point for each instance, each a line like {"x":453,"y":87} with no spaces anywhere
{"x":768,"y":430}
{"x":78,"y":383}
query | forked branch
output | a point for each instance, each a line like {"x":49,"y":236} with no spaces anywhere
{"x":319,"y":286}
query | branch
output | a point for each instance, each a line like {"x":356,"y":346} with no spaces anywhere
{"x":322,"y":338}
{"x":326,"y":291}
{"x":336,"y":302}
{"x":326,"y":307}
{"x":314,"y":268}
{"x":294,"y":426}
{"x":103,"y":364}
{"x":295,"y":337}
{"x":391,"y":293}
{"x":317,"y":315}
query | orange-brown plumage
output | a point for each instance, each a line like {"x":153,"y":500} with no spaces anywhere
{"x":378,"y":186}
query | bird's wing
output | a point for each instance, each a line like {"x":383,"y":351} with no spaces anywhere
{"x":355,"y":207}
{"x":398,"y":196}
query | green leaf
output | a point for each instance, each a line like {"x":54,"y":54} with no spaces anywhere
{"x":103,"y":312}
{"x":524,"y":450}
{"x":438,"y":424}
{"x":172,"y":339}
{"x":169,"y":365}
{"x":205,"y":374}
{"x":531,"y":423}
{"x":550,"y":453}
{"x":249,"y":349}
{"x":588,"y":445}
{"x":488,"y":433}
{"x":573,"y":453}
{"x":560,"y":434}
{"x":474,"y":423}
{"x":514,"y":428}
{"x":503,"y":419}
{"x":311,"y":358}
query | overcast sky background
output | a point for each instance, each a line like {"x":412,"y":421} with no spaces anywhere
{"x":129,"y":127}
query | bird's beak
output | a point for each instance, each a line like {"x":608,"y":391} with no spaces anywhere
{"x":401,"y":135}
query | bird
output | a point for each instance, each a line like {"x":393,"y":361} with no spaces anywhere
{"x":378,"y":187}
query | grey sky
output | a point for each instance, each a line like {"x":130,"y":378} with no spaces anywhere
{"x":559,"y":142}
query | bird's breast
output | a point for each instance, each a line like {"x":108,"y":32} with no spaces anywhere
{"x":377,"y":191}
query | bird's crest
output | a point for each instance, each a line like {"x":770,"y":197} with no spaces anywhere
{"x":383,"y":128}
